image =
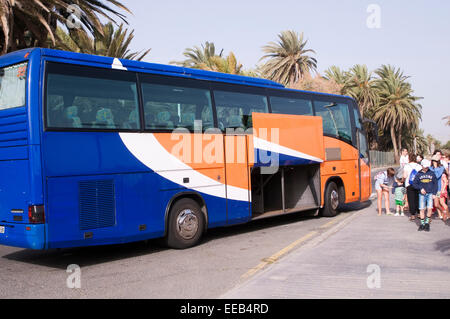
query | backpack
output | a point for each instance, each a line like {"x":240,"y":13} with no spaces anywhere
{"x":412,"y":176}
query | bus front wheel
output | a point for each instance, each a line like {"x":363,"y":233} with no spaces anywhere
{"x":186,"y":224}
{"x":331,"y":200}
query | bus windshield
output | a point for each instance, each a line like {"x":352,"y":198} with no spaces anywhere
{"x":13,"y":86}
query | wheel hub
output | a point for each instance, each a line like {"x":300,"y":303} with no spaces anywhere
{"x":187,"y":224}
{"x":334,"y":200}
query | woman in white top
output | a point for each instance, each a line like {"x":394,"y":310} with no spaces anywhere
{"x":404,"y":158}
{"x":409,"y":172}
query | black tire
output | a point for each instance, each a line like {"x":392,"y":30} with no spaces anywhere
{"x":186,"y":224}
{"x":332,"y":200}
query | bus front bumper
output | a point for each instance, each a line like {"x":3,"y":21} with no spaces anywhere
{"x":22,"y":235}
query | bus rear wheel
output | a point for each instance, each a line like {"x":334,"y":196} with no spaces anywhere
{"x":186,"y":224}
{"x":331,"y":200}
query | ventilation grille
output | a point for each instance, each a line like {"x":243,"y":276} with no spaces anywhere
{"x":96,"y":204}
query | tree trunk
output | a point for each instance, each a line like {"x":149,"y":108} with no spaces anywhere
{"x":400,"y":141}
{"x":394,"y":143}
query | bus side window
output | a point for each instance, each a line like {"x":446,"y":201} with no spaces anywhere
{"x":336,"y":119}
{"x":234,"y":110}
{"x":281,"y":105}
{"x":168,"y":107}
{"x":100,"y":99}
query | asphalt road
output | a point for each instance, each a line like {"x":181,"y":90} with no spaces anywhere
{"x":224,"y":258}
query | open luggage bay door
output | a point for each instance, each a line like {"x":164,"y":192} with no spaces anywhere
{"x":287,"y":153}
{"x":287,"y":140}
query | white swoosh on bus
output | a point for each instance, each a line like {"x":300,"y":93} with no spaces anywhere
{"x":262,"y":144}
{"x":147,"y":149}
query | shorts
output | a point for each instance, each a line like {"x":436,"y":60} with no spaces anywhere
{"x":378,"y":186}
{"x":425,"y":201}
{"x":399,"y":202}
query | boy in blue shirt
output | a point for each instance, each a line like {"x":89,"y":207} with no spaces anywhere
{"x":426,"y":183}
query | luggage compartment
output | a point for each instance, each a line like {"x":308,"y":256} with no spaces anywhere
{"x":291,"y":189}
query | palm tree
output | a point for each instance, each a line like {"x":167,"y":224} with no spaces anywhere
{"x":420,"y":144}
{"x":288,"y":60}
{"x":26,"y":23}
{"x":199,"y":58}
{"x":358,"y":83}
{"x":337,"y":75}
{"x":361,"y":85}
{"x":224,"y":65}
{"x":111,"y":42}
{"x":397,"y":107}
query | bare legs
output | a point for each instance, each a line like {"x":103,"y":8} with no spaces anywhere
{"x":380,"y":194}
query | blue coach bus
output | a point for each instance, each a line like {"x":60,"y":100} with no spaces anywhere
{"x":77,"y":167}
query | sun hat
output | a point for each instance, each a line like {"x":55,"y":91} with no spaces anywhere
{"x":435,"y":158}
{"x":426,"y":163}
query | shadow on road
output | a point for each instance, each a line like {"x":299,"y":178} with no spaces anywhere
{"x":88,"y":256}
{"x":443,"y":246}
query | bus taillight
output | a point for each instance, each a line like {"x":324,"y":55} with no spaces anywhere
{"x":36,"y":214}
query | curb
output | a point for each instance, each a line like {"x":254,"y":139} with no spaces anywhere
{"x":308,"y":241}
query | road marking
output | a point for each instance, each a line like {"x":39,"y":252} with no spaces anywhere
{"x":333,"y":221}
{"x":278,"y":255}
{"x":275,"y":257}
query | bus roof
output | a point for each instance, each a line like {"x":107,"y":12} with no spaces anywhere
{"x":163,"y":69}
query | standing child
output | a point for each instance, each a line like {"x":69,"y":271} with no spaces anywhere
{"x":426,"y":183}
{"x":399,"y":196}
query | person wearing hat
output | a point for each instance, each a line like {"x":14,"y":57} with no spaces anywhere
{"x":426,"y":183}
{"x":439,"y":170}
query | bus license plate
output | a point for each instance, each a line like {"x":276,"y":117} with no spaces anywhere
{"x":2,"y":229}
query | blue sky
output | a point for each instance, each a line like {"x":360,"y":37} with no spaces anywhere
{"x":413,"y":35}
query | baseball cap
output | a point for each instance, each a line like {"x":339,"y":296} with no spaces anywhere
{"x":426,"y":163}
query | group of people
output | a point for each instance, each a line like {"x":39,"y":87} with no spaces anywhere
{"x":420,"y":186}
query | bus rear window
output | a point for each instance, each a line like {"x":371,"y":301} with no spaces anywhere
{"x":13,"y":86}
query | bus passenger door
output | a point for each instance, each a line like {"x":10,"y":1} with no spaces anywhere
{"x":364,"y":167}
{"x":237,"y":178}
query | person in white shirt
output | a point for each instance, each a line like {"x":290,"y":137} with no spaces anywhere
{"x":382,"y":181}
{"x":404,"y":158}
{"x":409,"y":172}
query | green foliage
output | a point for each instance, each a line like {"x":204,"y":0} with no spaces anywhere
{"x":29,"y":23}
{"x":288,"y":59}
{"x":206,"y":58}
{"x":447,"y":145}
{"x":387,"y":97}
{"x":199,"y":58}
{"x":110,"y":42}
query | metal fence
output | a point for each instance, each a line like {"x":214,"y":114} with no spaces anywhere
{"x":379,"y":159}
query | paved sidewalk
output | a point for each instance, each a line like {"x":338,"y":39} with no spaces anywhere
{"x":412,"y":264}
